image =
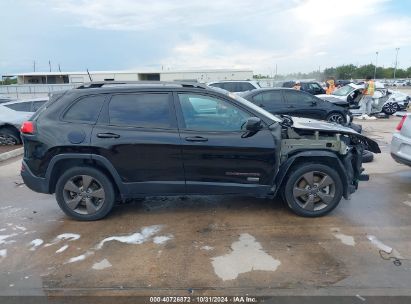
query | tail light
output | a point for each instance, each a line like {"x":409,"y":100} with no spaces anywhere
{"x":27,"y":127}
{"x":401,"y":123}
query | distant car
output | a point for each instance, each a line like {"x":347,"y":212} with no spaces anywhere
{"x":6,"y":99}
{"x":311,"y":87}
{"x":352,"y":93}
{"x":298,"y":103}
{"x":236,"y":86}
{"x":401,"y":142}
{"x":12,"y":115}
{"x":399,"y":83}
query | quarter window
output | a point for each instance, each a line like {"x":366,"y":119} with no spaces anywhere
{"x":86,"y":109}
{"x":206,"y":113}
{"x":140,"y":110}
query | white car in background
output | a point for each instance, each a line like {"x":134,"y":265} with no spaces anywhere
{"x":401,"y":142}
{"x":13,"y":114}
{"x":236,"y":86}
{"x":384,"y":100}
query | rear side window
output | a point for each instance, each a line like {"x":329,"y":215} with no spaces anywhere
{"x":140,"y":110}
{"x":297,"y":97}
{"x":245,"y":86}
{"x":269,"y":100}
{"x":21,"y":106}
{"x":85,"y":109}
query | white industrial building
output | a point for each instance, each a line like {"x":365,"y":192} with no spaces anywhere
{"x":82,"y":77}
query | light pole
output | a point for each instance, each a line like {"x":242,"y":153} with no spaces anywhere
{"x":376,"y":61}
{"x":396,"y":61}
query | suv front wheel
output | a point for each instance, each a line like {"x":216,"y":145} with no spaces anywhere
{"x":85,"y":193}
{"x":313,"y":190}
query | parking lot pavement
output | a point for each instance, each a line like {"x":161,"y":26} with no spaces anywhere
{"x":9,"y":148}
{"x":211,"y":245}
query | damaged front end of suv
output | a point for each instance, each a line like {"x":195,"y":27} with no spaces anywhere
{"x":337,"y":146}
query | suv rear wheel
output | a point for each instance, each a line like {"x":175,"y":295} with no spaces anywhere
{"x":313,"y":190}
{"x":85,"y":193}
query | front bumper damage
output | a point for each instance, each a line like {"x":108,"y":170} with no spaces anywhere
{"x":341,"y":147}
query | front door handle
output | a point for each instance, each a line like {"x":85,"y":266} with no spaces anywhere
{"x":196,"y":138}
{"x":108,"y":135}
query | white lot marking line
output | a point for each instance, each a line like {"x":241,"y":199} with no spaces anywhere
{"x":62,"y":249}
{"x":4,"y":237}
{"x":162,"y":239}
{"x":80,"y":257}
{"x":345,"y":239}
{"x":360,"y":297}
{"x":408,"y":203}
{"x":246,"y":255}
{"x":136,"y":238}
{"x":20,"y":228}
{"x":207,"y":248}
{"x":35,"y":243}
{"x":3,"y":229}
{"x":3,"y":254}
{"x":103,"y":264}
{"x":380,"y":245}
{"x":64,"y":237}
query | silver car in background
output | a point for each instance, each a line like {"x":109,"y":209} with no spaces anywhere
{"x":401,"y":142}
{"x":13,"y":114}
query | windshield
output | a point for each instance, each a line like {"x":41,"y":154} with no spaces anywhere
{"x":344,"y":91}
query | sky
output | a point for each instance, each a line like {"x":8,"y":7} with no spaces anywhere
{"x":294,"y":35}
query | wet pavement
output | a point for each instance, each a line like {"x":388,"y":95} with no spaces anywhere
{"x":212,"y":245}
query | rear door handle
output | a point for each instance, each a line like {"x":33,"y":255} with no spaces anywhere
{"x":196,"y":138}
{"x":108,"y":135}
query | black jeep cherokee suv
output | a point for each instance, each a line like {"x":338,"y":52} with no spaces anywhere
{"x":105,"y":142}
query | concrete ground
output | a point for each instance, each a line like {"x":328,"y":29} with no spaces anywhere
{"x":212,"y":245}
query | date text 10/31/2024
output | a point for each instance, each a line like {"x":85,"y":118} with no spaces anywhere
{"x":204,"y":299}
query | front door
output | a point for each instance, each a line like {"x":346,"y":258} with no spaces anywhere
{"x":303,"y":104}
{"x":218,"y":158}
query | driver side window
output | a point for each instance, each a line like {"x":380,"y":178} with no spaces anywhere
{"x":206,"y":113}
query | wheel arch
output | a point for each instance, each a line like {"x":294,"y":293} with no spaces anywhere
{"x":61,"y":162}
{"x":316,"y":157}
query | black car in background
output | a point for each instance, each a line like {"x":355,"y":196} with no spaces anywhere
{"x":297,"y":103}
{"x":311,"y":87}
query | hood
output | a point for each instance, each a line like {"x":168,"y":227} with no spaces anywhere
{"x":318,"y":125}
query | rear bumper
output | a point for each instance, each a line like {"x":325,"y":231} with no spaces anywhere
{"x":401,"y":160}
{"x":35,"y":183}
{"x":401,"y":149}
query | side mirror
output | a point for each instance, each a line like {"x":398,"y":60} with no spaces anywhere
{"x":253,"y":124}
{"x":314,"y":102}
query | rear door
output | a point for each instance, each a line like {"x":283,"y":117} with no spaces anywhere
{"x":302,"y":104}
{"x":138,"y":134}
{"x":271,"y":101}
{"x":218,"y":158}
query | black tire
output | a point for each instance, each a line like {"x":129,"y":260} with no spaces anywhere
{"x":389,"y":108}
{"x":9,"y":136}
{"x":295,"y":181}
{"x":367,"y":156}
{"x":95,"y":207}
{"x":336,"y":117}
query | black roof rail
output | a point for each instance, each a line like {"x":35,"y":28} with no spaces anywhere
{"x":100,"y":84}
